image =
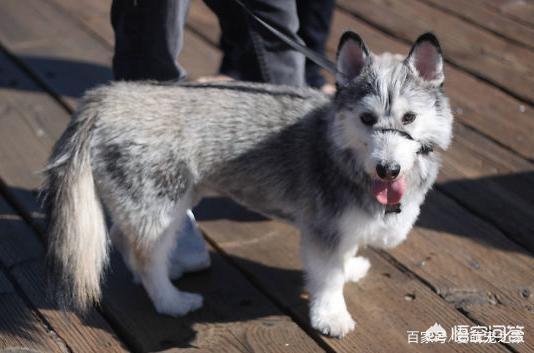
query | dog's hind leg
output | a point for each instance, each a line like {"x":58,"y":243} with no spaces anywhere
{"x":189,"y":253}
{"x":120,"y":243}
{"x":148,"y":253}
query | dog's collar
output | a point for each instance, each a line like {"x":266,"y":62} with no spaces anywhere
{"x":425,"y":148}
{"x":396,"y":208}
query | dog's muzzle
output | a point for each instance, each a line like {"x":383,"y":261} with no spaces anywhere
{"x":390,"y":170}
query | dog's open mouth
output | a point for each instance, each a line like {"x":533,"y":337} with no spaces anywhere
{"x":389,"y":192}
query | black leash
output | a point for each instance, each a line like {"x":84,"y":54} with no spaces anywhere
{"x":307,"y":52}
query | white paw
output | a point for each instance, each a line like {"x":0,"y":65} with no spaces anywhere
{"x":335,"y":323}
{"x":356,"y":268}
{"x":179,"y":304}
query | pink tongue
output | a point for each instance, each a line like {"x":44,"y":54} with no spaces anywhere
{"x":389,"y":192}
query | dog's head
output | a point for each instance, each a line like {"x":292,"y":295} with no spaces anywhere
{"x":390,"y":110}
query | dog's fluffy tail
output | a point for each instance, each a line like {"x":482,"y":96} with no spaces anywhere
{"x":77,"y":235}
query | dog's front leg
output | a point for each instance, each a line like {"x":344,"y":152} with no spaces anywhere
{"x":325,"y":278}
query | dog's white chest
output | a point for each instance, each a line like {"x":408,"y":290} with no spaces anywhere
{"x":360,"y":228}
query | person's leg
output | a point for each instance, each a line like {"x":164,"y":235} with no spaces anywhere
{"x":251,"y":52}
{"x":148,"y":39}
{"x":278,"y":63}
{"x":315,"y":19}
{"x":239,"y":59}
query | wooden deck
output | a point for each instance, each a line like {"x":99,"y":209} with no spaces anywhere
{"x":469,"y":261}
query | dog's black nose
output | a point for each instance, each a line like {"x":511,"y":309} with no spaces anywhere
{"x":388,"y":170}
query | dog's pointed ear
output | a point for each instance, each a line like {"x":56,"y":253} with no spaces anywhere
{"x":425,"y":59}
{"x":352,"y":56}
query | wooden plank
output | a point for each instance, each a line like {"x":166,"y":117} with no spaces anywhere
{"x":386,"y":304}
{"x":472,"y":266}
{"x":93,"y":16}
{"x":197,"y":58}
{"x":478,"y":12}
{"x":235,"y":317}
{"x":90,"y":333}
{"x":54,"y":47}
{"x":203,"y":21}
{"x":15,"y":248}
{"x":490,"y":181}
{"x":506,"y":65}
{"x":522,"y":11}
{"x":20,"y":328}
{"x":22,"y":253}
{"x":27,"y":117}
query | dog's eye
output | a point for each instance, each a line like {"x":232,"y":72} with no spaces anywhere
{"x":408,"y":118}
{"x":368,"y":119}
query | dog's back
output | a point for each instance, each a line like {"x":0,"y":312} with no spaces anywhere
{"x":183,"y":116}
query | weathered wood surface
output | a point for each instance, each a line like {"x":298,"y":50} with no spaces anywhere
{"x":521,"y":11}
{"x":20,"y":328}
{"x":472,"y":266}
{"x":388,"y":300}
{"x":479,"y":13}
{"x":21,"y":255}
{"x":476,"y":50}
{"x":26,"y":132}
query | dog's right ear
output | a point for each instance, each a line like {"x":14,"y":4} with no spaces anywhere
{"x":426,"y":60}
{"x":352,"y":56}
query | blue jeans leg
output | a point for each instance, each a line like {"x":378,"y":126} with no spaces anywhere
{"x":148,"y":39}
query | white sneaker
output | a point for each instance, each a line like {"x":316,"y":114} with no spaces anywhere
{"x":191,"y":252}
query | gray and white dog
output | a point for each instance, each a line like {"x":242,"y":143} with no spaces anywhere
{"x":348,"y":171}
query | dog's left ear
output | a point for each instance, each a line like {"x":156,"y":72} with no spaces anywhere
{"x":352,"y":56}
{"x":425,"y":59}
